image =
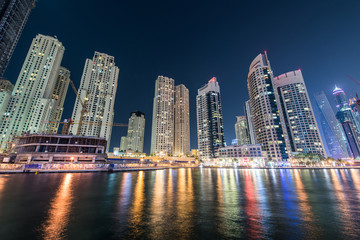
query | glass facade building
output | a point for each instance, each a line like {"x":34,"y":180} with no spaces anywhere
{"x":210,"y":128}
{"x":13,"y":17}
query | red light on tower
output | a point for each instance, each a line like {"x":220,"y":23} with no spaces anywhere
{"x":213,"y":79}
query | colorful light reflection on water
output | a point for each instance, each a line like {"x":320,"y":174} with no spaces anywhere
{"x":182,"y":204}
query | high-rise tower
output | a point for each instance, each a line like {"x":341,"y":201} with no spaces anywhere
{"x":299,"y":116}
{"x":31,"y":101}
{"x":333,"y":133}
{"x":182,"y":121}
{"x":135,"y":136}
{"x":250,"y":122}
{"x":13,"y":17}
{"x":59,"y":94}
{"x":267,"y":113}
{"x":98,"y":89}
{"x":210,"y":128}
{"x":345,"y":117}
{"x":241,"y":131}
{"x":6,"y":87}
{"x":162,"y":133}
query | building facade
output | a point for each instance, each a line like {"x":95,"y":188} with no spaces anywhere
{"x":244,"y":155}
{"x":59,"y":148}
{"x":31,"y":102}
{"x":303,"y":132}
{"x":97,"y":90}
{"x":266,"y":109}
{"x":13,"y":17}
{"x":210,"y":128}
{"x":346,"y":120}
{"x":135,"y":136}
{"x":250,"y":122}
{"x":182,"y":121}
{"x":6,"y":87}
{"x":332,"y":130}
{"x":241,"y":131}
{"x":162,"y":133}
{"x":59,"y":95}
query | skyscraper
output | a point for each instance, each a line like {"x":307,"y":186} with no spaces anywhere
{"x":31,"y":101}
{"x":241,"y":131}
{"x":98,"y":89}
{"x":135,"y":136}
{"x":303,"y":132}
{"x":334,"y":135}
{"x":345,"y":117}
{"x":59,"y":94}
{"x":210,"y":128}
{"x":182,"y":121}
{"x":162,"y":133}
{"x":6,"y":88}
{"x":13,"y":17}
{"x":250,"y":123}
{"x":267,"y":114}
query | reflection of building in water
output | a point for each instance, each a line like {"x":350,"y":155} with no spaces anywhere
{"x":59,"y":212}
{"x":59,"y":148}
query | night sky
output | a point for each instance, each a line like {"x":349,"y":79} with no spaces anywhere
{"x":194,"y":41}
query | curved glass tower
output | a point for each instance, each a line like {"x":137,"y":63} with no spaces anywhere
{"x":265,"y":106}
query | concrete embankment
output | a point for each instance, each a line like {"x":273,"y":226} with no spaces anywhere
{"x":83,"y":170}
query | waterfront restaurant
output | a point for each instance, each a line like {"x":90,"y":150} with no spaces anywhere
{"x":59,"y":148}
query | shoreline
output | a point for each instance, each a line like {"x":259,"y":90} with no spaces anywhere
{"x":38,"y":171}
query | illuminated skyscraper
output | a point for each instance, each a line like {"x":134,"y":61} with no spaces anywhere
{"x":210,"y":128}
{"x":345,"y":117}
{"x":13,"y":17}
{"x":162,"y":134}
{"x":241,"y":131}
{"x":98,"y":89}
{"x":271,"y":133}
{"x":135,"y":136}
{"x":32,"y":101}
{"x":182,"y":121}
{"x":250,"y":123}
{"x":333,"y":133}
{"x":299,"y":116}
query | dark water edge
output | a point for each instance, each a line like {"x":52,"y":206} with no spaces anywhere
{"x":182,"y":204}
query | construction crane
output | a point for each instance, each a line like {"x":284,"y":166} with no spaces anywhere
{"x":83,"y":105}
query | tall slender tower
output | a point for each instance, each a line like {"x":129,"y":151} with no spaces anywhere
{"x":299,"y":116}
{"x":6,"y":87}
{"x":31,"y":101}
{"x":59,"y":94}
{"x":162,"y":134}
{"x":345,"y":117}
{"x":241,"y":131}
{"x":135,"y":135}
{"x":182,"y":121}
{"x":13,"y":17}
{"x":98,"y":89}
{"x":250,"y":123}
{"x":210,"y":128}
{"x":267,"y":114}
{"x":333,"y":133}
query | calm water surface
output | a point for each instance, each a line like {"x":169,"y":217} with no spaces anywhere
{"x":182,"y":204}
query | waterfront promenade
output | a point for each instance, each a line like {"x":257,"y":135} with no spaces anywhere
{"x":121,"y":167}
{"x":86,"y":167}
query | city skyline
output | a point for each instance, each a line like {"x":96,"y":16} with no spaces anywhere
{"x":231,"y":77}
